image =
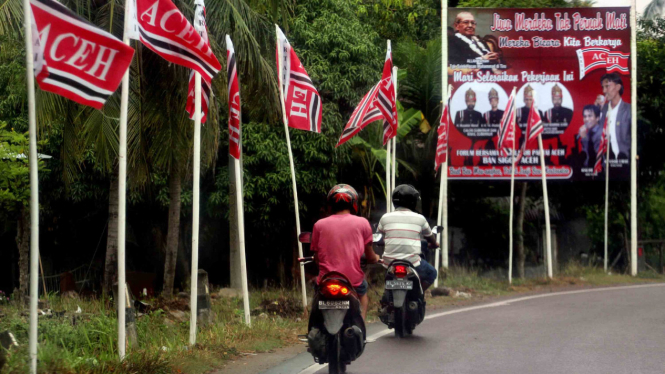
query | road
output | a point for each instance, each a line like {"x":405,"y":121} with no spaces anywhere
{"x":612,"y":330}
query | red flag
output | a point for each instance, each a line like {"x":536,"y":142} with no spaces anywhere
{"x":602,"y":149}
{"x":507,"y":137}
{"x":302,"y":102}
{"x":74,"y":58}
{"x":442,"y":141}
{"x":593,"y":58}
{"x":365,"y":113}
{"x":534,"y":125}
{"x":385,"y":99}
{"x":234,"y":100}
{"x":206,"y":91}
{"x":166,"y":31}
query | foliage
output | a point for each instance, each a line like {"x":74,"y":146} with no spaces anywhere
{"x":14,"y":171}
{"x":400,"y":20}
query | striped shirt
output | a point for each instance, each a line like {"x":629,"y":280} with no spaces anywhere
{"x":402,"y":231}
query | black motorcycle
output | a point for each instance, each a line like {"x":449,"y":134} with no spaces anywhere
{"x":336,"y":331}
{"x":405,"y":296}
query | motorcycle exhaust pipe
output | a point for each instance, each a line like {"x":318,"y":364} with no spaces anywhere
{"x":353,"y":343}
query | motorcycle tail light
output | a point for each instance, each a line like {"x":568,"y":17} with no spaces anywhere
{"x":400,"y":271}
{"x":335,"y":289}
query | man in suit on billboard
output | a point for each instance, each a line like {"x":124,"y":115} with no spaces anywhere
{"x":618,"y":116}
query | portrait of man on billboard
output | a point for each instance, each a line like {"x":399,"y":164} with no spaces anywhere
{"x":493,"y":116}
{"x":618,"y":116}
{"x":590,"y":133}
{"x":523,"y":112}
{"x":468,"y":51}
{"x":558,"y":114}
{"x":469,"y":116}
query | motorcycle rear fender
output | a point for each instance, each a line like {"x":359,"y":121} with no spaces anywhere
{"x":333,"y":320}
{"x":398,"y":298}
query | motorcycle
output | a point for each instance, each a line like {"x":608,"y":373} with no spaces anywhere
{"x":336,"y":331}
{"x":406,"y":298}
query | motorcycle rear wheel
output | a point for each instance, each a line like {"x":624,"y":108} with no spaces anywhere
{"x":335,"y":364}
{"x":400,"y":322}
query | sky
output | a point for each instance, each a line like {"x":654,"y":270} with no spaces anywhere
{"x":641,"y":4}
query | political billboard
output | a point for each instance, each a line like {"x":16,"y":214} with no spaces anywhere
{"x":572,"y":64}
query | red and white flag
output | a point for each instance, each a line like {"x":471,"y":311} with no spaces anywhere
{"x":166,"y":31}
{"x":602,"y":149}
{"x":378,"y":103}
{"x":302,"y":102}
{"x":593,"y":58}
{"x":234,"y":100}
{"x":74,"y":58}
{"x":507,"y":137}
{"x":534,"y":125}
{"x":442,"y":139}
{"x":365,"y":113}
{"x":206,"y":91}
{"x":385,"y":99}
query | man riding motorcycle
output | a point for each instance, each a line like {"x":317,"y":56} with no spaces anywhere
{"x":340,"y":240}
{"x":402,"y":230}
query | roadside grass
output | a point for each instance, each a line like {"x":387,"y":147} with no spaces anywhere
{"x":87,"y":342}
{"x":82,"y":343}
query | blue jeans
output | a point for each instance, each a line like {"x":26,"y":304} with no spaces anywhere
{"x":427,"y":273}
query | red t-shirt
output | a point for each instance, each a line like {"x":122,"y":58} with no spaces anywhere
{"x":340,"y":241}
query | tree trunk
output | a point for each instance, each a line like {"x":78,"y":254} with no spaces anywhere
{"x":175,"y":189}
{"x":23,"y":244}
{"x":519,"y":230}
{"x":111,"y":260}
{"x":234,"y":248}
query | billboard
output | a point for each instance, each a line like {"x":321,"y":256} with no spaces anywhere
{"x":573,"y":62}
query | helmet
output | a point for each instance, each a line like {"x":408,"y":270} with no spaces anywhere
{"x":406,"y":196}
{"x":342,"y":197}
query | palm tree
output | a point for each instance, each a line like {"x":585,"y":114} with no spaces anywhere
{"x":159,"y":134}
{"x":654,"y":9}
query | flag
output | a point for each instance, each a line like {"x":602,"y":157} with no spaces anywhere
{"x":602,"y":149}
{"x":365,"y":113}
{"x":206,"y":90}
{"x":507,"y":128}
{"x":442,"y":141}
{"x":165,"y":30}
{"x":74,"y":58}
{"x":234,"y":100}
{"x":534,"y":125}
{"x":385,"y":98}
{"x":302,"y":103}
{"x":593,"y":58}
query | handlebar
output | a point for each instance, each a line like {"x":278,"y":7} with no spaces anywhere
{"x":305,"y":259}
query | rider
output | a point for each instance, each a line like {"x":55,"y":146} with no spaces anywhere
{"x":403,"y":229}
{"x":340,"y":240}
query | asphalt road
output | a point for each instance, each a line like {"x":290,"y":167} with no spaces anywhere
{"x":615,"y":330}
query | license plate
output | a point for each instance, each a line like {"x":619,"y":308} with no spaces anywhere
{"x":334,"y":304}
{"x":399,"y":284}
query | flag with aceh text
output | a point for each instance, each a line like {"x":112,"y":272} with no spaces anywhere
{"x":234,"y":101}
{"x":74,"y":58}
{"x":442,"y":138}
{"x":206,"y":89}
{"x":602,"y":149}
{"x":385,"y":99}
{"x":302,"y":103}
{"x":507,"y":138}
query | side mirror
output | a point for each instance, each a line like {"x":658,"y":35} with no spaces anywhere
{"x":437,"y":229}
{"x":305,"y":237}
{"x":377,"y":237}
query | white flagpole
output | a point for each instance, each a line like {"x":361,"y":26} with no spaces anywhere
{"x":388,"y":192}
{"x":394,"y":140}
{"x":34,"y":187}
{"x":546,"y":205}
{"x":122,"y":194}
{"x":241,"y":240}
{"x":633,"y":137}
{"x":193,"y":287}
{"x":442,"y":215}
{"x":512,"y":203}
{"x":607,"y":193}
{"x":293,"y":172}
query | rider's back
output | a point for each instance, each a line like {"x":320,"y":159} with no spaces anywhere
{"x":403,"y":230}
{"x":339,"y":241}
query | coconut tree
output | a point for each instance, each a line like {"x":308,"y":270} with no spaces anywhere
{"x":159,"y":134}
